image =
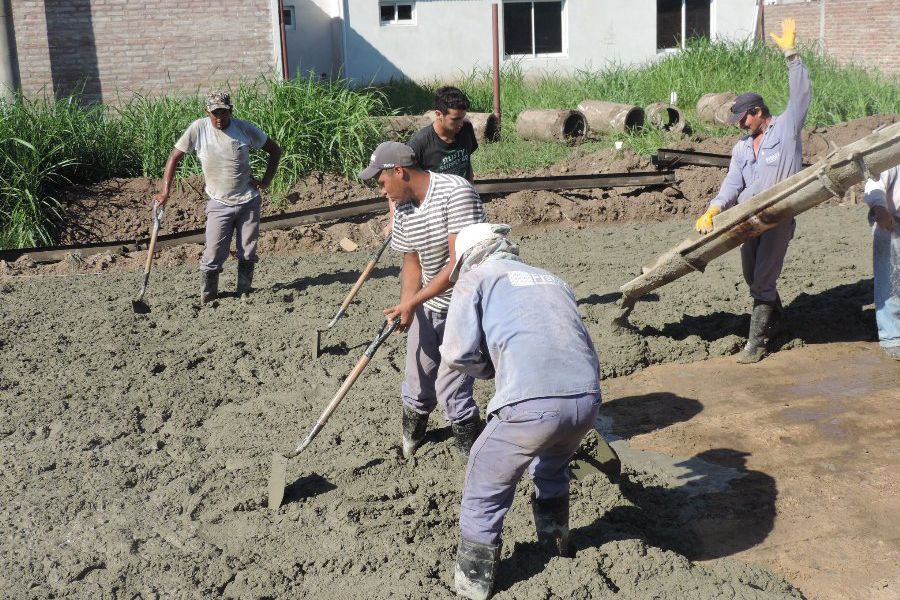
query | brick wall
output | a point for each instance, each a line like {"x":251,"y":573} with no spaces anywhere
{"x":864,"y":32}
{"x":114,"y":47}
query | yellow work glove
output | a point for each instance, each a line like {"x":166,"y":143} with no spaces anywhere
{"x":705,"y":223}
{"x":788,"y":38}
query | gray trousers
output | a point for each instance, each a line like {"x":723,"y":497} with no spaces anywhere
{"x":221,"y":222}
{"x":540,"y":435}
{"x":428,"y":379}
{"x":762,"y":259}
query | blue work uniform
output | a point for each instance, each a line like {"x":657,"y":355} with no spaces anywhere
{"x":780,"y":156}
{"x":520,"y":325}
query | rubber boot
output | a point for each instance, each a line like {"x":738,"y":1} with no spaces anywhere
{"x":244,"y":278}
{"x":465,"y":433}
{"x":210,"y":289}
{"x":551,"y":520}
{"x":760,"y":328}
{"x":414,"y":426}
{"x":476,"y":568}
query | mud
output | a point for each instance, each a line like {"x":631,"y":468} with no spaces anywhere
{"x":135,"y":449}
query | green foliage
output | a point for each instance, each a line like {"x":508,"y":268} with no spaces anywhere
{"x":321,"y":125}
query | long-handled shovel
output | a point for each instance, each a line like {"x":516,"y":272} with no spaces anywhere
{"x":278,"y":471}
{"x":138,"y":305}
{"x":370,"y":266}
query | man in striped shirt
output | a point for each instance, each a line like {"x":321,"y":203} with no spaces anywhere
{"x":431,"y":209}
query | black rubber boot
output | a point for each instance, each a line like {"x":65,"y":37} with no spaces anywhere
{"x":551,"y":520}
{"x":761,"y":326}
{"x":210,"y":289}
{"x":465,"y":433}
{"x":244,"y":277}
{"x":414,"y":427}
{"x":476,"y":568}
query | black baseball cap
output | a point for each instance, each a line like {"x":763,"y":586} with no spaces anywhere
{"x":742,"y":104}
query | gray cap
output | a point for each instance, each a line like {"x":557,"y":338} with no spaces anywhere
{"x":387,"y":156}
{"x":742,"y":104}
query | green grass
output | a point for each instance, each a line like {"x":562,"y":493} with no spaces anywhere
{"x":46,"y":144}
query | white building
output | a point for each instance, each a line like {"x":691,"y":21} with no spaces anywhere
{"x":376,"y":40}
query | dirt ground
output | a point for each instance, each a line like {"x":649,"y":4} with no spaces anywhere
{"x":135,"y":449}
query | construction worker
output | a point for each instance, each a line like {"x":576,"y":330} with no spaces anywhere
{"x":883,"y":197}
{"x":524,"y":322}
{"x":223,"y":143}
{"x":769,"y":153}
{"x":431,"y":209}
{"x":447,"y":144}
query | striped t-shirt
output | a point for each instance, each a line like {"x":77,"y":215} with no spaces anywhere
{"x":450,"y":204}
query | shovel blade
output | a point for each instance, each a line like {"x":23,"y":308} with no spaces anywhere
{"x":277,"y":477}
{"x":596,"y":457}
{"x":317,"y":344}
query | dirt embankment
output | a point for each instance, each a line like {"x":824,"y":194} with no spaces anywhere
{"x":135,"y":448}
{"x":119,"y":209}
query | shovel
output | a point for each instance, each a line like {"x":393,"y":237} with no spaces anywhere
{"x":595,"y":456}
{"x":370,"y":266}
{"x":277,"y":474}
{"x":138,"y":305}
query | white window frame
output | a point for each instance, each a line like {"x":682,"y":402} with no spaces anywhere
{"x":564,"y":16}
{"x":395,"y":22}
{"x":289,"y":8}
{"x":712,"y":27}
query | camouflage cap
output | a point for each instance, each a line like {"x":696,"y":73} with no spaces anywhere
{"x":218,"y":100}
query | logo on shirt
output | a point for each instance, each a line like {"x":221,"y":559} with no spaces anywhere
{"x":522,"y":278}
{"x":773,"y":158}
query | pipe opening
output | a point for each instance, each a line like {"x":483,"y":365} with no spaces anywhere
{"x":574,"y":127}
{"x":634,"y":119}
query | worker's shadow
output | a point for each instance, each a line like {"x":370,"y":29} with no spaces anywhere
{"x":623,"y":418}
{"x":832,"y":315}
{"x":610,"y":298}
{"x":342,"y":277}
{"x":721,"y":508}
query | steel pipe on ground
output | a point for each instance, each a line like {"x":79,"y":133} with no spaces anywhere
{"x":665,"y":116}
{"x":567,"y":126}
{"x":715,"y":108}
{"x":609,"y":117}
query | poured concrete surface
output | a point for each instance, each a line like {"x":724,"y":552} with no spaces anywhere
{"x":814,"y":430}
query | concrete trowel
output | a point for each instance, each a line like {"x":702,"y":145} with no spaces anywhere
{"x":278,"y":470}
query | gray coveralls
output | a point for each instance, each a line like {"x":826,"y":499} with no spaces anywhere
{"x":525,"y":321}
{"x":780,"y":156}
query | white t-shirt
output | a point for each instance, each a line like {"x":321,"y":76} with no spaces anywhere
{"x":225,"y":157}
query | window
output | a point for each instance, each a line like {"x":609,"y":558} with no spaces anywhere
{"x":288,"y":15}
{"x":532,"y":28}
{"x":679,"y":20}
{"x":393,"y":13}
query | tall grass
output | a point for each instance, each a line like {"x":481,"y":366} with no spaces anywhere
{"x":45,"y":144}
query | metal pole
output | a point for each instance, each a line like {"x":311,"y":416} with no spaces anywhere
{"x":761,"y":24}
{"x":9,"y":72}
{"x":495,"y":28}
{"x":284,"y":62}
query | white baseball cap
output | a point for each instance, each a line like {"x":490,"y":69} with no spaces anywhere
{"x":472,"y":235}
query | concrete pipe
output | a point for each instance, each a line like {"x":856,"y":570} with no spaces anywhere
{"x":486,"y":125}
{"x":715,"y":108}
{"x":665,"y":116}
{"x":400,"y":128}
{"x":568,"y":126}
{"x":609,"y":117}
